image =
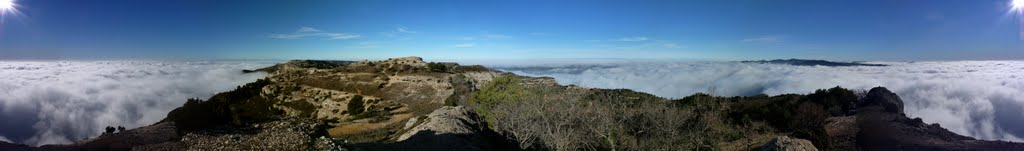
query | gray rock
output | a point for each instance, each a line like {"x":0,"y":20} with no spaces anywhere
{"x":447,"y":128}
{"x":882,"y":97}
{"x":784,"y":143}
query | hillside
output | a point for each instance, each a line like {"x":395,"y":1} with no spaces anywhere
{"x":409,"y":104}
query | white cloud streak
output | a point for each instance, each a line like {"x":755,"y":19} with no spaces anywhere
{"x":308,"y":29}
{"x":365,"y":45}
{"x":61,"y":102}
{"x":486,"y":37}
{"x":765,"y":39}
{"x":466,"y":45}
{"x":403,"y":29}
{"x":308,"y":32}
{"x":494,"y":36}
{"x":633,"y":39}
{"x":982,"y":99}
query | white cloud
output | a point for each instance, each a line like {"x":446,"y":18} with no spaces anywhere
{"x":633,"y":39}
{"x":4,"y":139}
{"x":765,"y":39}
{"x":308,"y":32}
{"x":495,"y":36}
{"x":370,"y":44}
{"x":308,"y":29}
{"x":671,"y":45}
{"x":466,"y":45}
{"x":60,"y":102}
{"x":403,"y":29}
{"x":342,"y":36}
{"x":982,"y":99}
{"x":486,"y":37}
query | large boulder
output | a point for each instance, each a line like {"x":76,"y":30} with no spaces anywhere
{"x":447,"y":128}
{"x":446,"y":120}
{"x":882,"y":97}
{"x":784,"y":143}
{"x":842,"y":133}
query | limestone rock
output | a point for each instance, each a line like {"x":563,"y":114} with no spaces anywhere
{"x":784,"y":143}
{"x":447,"y":128}
{"x":446,"y":120}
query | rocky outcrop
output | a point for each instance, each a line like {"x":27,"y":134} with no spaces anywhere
{"x":784,"y":143}
{"x":446,"y":120}
{"x":882,"y":125}
{"x":448,"y":128}
{"x":882,"y":97}
{"x":288,"y":134}
{"x":842,"y":132}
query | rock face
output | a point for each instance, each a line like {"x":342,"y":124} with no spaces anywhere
{"x":447,"y":128}
{"x":882,"y":97}
{"x":882,"y":125}
{"x":842,"y":132}
{"x":784,"y":143}
{"x":447,"y":120}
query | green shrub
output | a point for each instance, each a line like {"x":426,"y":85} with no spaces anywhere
{"x":471,"y":68}
{"x":837,"y":101}
{"x":242,"y":105}
{"x":501,"y":89}
{"x":437,"y":67}
{"x":304,"y":107}
{"x":355,"y":105}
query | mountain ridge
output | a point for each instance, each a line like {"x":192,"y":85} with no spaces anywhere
{"x":809,"y":62}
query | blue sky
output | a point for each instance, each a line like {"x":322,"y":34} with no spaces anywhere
{"x":482,"y":30}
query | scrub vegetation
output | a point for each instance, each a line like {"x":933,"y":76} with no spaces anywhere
{"x":552,"y":117}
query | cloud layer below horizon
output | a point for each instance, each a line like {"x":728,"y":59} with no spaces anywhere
{"x":53,"y":102}
{"x":981,"y":99}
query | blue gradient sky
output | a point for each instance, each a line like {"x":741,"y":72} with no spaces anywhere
{"x":460,"y":30}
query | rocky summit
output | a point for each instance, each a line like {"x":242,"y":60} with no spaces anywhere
{"x":411,"y":104}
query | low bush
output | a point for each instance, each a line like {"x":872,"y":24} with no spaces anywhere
{"x":437,"y":67}
{"x":355,"y":105}
{"x":239,"y":106}
{"x":501,"y":89}
{"x":837,"y":101}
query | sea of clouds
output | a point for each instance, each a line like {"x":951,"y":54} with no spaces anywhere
{"x":981,"y":99}
{"x":58,"y":102}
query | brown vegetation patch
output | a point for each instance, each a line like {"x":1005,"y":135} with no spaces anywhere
{"x":358,"y":130}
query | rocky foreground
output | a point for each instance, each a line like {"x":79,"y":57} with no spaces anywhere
{"x":409,"y":104}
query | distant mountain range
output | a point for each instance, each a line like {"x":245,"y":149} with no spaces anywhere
{"x":804,"y":62}
{"x":409,"y":104}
